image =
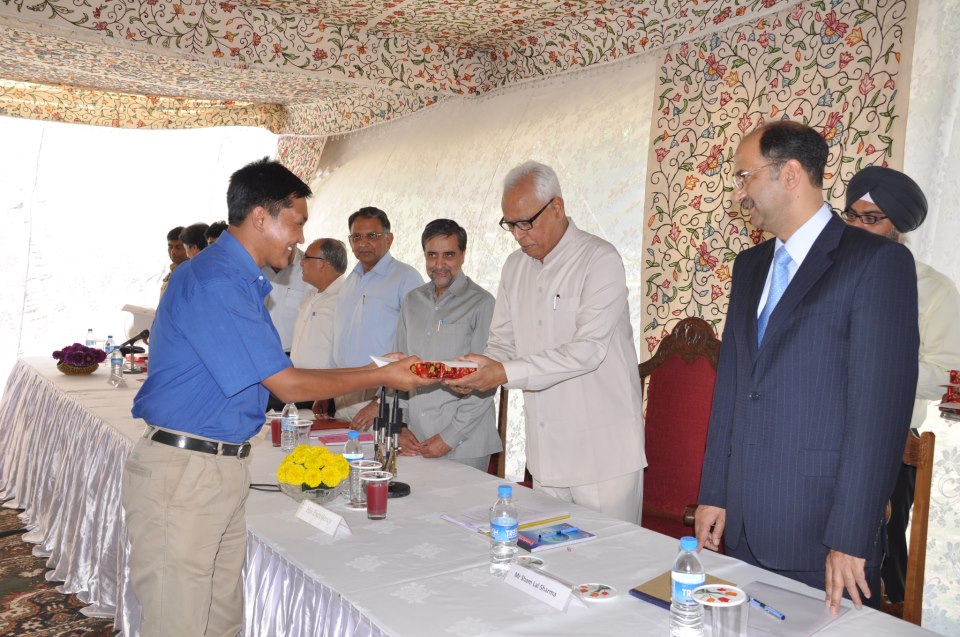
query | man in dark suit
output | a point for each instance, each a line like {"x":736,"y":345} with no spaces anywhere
{"x":817,"y":374}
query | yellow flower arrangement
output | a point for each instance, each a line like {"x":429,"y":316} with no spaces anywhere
{"x":311,"y":467}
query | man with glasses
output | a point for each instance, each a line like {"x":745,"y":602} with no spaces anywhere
{"x":561,"y":332}
{"x":816,"y":377}
{"x":324,"y":262}
{"x":887,"y":202}
{"x":365,"y":321}
{"x":440,"y":320}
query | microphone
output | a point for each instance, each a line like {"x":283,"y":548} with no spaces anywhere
{"x":142,"y":335}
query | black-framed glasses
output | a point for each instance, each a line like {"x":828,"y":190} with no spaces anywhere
{"x":868,"y":218}
{"x":740,"y":177}
{"x":356,"y":237}
{"x":307,"y":256}
{"x":523,"y":224}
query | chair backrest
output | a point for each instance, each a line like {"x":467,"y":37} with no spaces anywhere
{"x":681,"y":375}
{"x":918,"y":453}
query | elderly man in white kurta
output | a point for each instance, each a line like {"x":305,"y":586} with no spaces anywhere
{"x":323,"y":263}
{"x":561,"y":332}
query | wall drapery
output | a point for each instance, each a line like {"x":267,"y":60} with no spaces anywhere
{"x":835,"y":66}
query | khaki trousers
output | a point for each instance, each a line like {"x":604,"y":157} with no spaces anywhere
{"x":184,"y":512}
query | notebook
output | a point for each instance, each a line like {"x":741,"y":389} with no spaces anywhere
{"x":657,"y":590}
{"x":551,"y":537}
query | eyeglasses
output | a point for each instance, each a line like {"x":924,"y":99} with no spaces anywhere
{"x":740,"y":177}
{"x":867,"y":219}
{"x":356,"y":237}
{"x":307,"y":256}
{"x":523,"y":224}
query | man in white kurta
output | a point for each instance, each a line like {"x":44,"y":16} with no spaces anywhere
{"x":324,"y":262}
{"x":561,"y":332}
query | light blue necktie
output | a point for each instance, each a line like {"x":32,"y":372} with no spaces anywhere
{"x":781,"y":278}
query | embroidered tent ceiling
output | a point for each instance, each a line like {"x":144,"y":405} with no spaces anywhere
{"x":312,"y":68}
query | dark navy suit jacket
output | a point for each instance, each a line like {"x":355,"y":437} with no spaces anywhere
{"x":807,"y":432}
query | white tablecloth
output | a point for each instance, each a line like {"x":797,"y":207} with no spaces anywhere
{"x":63,"y":441}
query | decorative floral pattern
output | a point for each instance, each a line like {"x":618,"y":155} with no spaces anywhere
{"x":411,"y":53}
{"x":300,"y":154}
{"x":832,"y":65}
{"x":99,"y":108}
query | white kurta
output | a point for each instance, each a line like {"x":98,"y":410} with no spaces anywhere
{"x":562,"y":330}
{"x":939,"y":337}
{"x":312,"y":346}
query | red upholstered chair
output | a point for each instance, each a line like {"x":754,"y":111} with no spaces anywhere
{"x":680,"y":376}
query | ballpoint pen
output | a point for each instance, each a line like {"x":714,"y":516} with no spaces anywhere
{"x":770,"y":611}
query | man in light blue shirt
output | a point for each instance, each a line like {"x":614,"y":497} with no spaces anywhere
{"x":365,"y":321}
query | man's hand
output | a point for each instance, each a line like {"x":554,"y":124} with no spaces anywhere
{"x":845,"y":572}
{"x":409,"y":445}
{"x":398,"y":375}
{"x":363,"y":420}
{"x":434,"y":447}
{"x":708,"y":525}
{"x":489,"y":374}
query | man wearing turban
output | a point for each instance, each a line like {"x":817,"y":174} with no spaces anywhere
{"x":887,"y":202}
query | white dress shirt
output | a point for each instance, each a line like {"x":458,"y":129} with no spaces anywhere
{"x":562,"y":330}
{"x":312,"y":346}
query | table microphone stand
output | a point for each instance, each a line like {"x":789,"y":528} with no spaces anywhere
{"x":396,"y":489}
{"x":380,"y":424}
{"x":130,"y":350}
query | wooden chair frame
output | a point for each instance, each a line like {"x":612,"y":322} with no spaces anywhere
{"x":692,"y":337}
{"x":917,"y":453}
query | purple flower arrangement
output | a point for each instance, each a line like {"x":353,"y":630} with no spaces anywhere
{"x":78,"y":355}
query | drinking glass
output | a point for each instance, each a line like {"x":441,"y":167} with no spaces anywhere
{"x":358,"y":494}
{"x":376,"y":484}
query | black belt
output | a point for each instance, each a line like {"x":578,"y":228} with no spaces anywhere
{"x":195,"y":444}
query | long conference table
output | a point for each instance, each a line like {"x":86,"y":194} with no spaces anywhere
{"x":63,"y":442}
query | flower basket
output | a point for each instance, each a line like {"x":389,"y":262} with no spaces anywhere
{"x":320,"y":495}
{"x":78,"y":360}
{"x":313,"y":473}
{"x":71,"y":370}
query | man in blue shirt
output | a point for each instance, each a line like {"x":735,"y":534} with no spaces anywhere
{"x":365,"y":321}
{"x":214,"y":355}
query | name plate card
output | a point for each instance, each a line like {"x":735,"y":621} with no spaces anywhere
{"x":323,"y":519}
{"x":537,"y":584}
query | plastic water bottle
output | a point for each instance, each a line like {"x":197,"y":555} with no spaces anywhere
{"x":686,"y":615}
{"x":288,"y":427}
{"x":116,"y":369}
{"x":91,"y":339}
{"x":108,"y":347}
{"x":503,"y":531}
{"x":351,"y":452}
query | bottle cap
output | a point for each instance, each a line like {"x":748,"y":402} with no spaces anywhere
{"x":688,"y":543}
{"x":353,"y":435}
{"x":505,"y":491}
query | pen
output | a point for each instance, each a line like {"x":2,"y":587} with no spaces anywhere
{"x":770,"y":611}
{"x":556,"y":300}
{"x":558,"y":533}
{"x":439,"y":324}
